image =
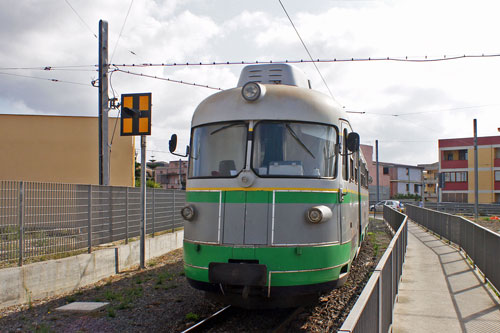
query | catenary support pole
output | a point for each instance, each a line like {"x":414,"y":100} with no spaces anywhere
{"x":103,"y":104}
{"x":476,"y":175}
{"x":143,"y":202}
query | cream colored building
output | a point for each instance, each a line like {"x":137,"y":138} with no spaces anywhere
{"x":61,"y":149}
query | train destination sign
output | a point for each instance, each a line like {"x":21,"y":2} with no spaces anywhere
{"x":135,"y":114}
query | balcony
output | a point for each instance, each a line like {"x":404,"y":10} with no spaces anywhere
{"x":455,"y":164}
{"x":430,"y":180}
{"x":457,"y":186}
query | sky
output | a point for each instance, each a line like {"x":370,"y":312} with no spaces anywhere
{"x":406,"y":106}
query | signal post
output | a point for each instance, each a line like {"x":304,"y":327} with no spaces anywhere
{"x":136,"y":120}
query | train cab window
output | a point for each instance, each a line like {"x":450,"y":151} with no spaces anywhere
{"x":218,"y":150}
{"x":293,"y":149}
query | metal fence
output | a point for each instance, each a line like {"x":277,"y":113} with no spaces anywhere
{"x":464,"y":208}
{"x":40,"y":219}
{"x":373,"y":311}
{"x":480,"y":244}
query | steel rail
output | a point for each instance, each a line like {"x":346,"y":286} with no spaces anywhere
{"x":281,"y":328}
{"x":210,"y":319}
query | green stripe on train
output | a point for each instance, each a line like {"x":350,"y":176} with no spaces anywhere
{"x":267,"y":197}
{"x":277,"y":259}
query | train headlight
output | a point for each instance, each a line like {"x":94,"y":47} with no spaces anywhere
{"x":251,"y":91}
{"x":187,"y":213}
{"x":319,"y":214}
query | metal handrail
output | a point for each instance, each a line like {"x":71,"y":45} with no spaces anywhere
{"x":373,"y":311}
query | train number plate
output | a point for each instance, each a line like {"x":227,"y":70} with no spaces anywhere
{"x":239,"y":274}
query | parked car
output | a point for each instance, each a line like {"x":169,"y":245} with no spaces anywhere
{"x":379,"y":206}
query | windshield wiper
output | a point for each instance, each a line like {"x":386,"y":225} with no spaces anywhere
{"x":224,"y":127}
{"x":294,"y":135}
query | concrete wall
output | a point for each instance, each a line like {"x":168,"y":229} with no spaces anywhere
{"x":61,"y":149}
{"x":39,"y":280}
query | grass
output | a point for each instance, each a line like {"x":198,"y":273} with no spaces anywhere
{"x":110,"y":295}
{"x":111,"y":312}
{"x":42,"y":328}
{"x":71,"y":299}
{"x":192,"y":316}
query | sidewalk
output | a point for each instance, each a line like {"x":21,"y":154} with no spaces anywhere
{"x":440,"y":292}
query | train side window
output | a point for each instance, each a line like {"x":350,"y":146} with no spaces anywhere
{"x":351,"y":168}
{"x":345,"y":157}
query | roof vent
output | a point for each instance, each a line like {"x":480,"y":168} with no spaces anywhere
{"x":273,"y":74}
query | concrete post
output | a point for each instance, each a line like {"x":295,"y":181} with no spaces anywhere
{"x":89,"y":214}
{"x":21,"y":222}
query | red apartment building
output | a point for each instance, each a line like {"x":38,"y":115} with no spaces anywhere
{"x":456,"y":164}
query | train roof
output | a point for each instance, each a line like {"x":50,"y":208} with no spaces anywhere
{"x":280,"y":102}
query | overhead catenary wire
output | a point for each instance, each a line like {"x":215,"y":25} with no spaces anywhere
{"x":307,"y":50}
{"x":416,"y":59}
{"x":421,"y":59}
{"x":167,"y":79}
{"x":48,"y":68}
{"x":121,"y":31}
{"x":46,"y":79}
{"x":81,"y":19}
{"x":423,"y":112}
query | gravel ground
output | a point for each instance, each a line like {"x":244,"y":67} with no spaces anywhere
{"x":158,"y":298}
{"x":493,"y":225}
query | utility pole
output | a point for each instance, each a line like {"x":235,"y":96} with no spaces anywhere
{"x":103,"y":104}
{"x":476,"y":176}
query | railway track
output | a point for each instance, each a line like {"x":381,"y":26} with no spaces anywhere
{"x":210,"y":320}
{"x":221,"y":318}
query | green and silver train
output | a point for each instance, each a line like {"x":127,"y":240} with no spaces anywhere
{"x":277,"y":192}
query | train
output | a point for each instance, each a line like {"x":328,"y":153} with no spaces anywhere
{"x":277,"y":192}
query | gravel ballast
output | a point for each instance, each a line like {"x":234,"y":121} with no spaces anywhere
{"x":158,"y":298}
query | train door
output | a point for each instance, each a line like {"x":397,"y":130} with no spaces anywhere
{"x":245,"y":217}
{"x":345,"y":232}
{"x":349,"y":190}
{"x":245,"y":213}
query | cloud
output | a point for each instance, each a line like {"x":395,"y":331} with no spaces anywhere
{"x":49,"y":33}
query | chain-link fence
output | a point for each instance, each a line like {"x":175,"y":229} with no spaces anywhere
{"x":42,"y":219}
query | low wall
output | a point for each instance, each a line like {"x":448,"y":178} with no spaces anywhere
{"x":39,"y":280}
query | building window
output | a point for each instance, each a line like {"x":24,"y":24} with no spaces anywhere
{"x":386,"y":171}
{"x":407,"y":187}
{"x":497,"y":176}
{"x":407,"y":171}
{"x":497,"y":152}
{"x":448,"y":156}
{"x":452,"y":177}
{"x":446,"y":176}
{"x":415,"y":188}
{"x":462,"y":155}
{"x":455,"y":176}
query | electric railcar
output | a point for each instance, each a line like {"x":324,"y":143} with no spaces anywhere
{"x":277,"y":192}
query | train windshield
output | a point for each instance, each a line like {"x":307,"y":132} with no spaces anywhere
{"x":218,"y":150}
{"x":293,"y":149}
